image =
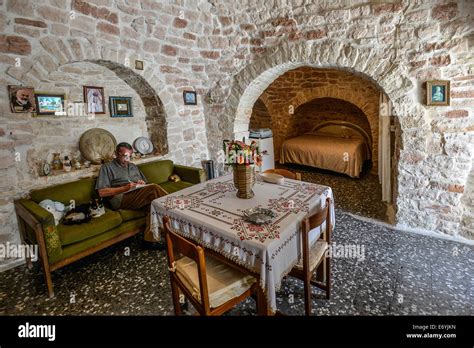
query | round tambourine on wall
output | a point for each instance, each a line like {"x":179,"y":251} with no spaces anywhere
{"x":97,"y":145}
{"x":143,"y":145}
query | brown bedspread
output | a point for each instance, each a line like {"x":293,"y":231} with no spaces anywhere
{"x":342,"y":155}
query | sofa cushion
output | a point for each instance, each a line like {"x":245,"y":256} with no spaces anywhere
{"x":74,"y":233}
{"x":80,"y":190}
{"x":75,"y":248}
{"x":171,"y":186}
{"x":128,"y":215}
{"x":158,"y":171}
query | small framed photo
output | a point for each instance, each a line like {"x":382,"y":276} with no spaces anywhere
{"x":49,"y":104}
{"x":139,"y":64}
{"x":94,"y":98}
{"x":189,"y":98}
{"x":22,"y":99}
{"x":438,"y":93}
{"x":120,"y":106}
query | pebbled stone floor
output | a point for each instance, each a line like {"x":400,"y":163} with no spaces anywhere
{"x":400,"y":273}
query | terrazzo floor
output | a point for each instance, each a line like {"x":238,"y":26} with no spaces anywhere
{"x":396,"y":272}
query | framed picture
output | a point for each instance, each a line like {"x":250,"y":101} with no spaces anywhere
{"x":94,"y":98}
{"x":437,"y":93}
{"x":139,"y":64}
{"x":22,"y":99}
{"x":189,"y":98}
{"x":49,"y":104}
{"x":120,"y":106}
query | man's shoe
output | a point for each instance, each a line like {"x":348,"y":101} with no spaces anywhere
{"x":153,"y":245}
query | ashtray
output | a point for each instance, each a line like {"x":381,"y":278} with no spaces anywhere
{"x":258,"y":215}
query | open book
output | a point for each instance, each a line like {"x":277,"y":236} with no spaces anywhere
{"x":139,"y":186}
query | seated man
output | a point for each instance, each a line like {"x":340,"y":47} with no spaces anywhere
{"x":120,"y":183}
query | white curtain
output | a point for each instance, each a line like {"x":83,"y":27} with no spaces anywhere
{"x":384,"y":148}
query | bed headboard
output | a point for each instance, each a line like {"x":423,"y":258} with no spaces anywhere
{"x":343,"y":129}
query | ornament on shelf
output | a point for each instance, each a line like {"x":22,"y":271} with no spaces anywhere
{"x":67,"y":164}
{"x":57,"y":163}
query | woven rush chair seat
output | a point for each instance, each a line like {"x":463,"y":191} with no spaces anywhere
{"x":316,"y":254}
{"x":213,"y":286}
{"x":224,"y":283}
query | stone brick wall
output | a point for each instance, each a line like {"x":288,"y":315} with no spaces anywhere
{"x":260,"y":118}
{"x":229,"y":53}
{"x":320,"y":110}
{"x":59,"y":46}
{"x":396,"y":45}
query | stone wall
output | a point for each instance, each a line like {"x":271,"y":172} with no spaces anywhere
{"x":59,"y":46}
{"x":231,"y":52}
{"x":260,"y":118}
{"x":396,"y":45}
{"x":320,"y":110}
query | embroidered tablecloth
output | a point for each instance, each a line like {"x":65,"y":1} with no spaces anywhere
{"x":212,"y":215}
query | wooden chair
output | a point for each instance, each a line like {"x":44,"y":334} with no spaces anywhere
{"x":315,"y":259}
{"x":286,"y":173}
{"x":211,"y":286}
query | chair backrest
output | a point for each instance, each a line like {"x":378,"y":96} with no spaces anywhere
{"x":177,"y":244}
{"x":286,"y":173}
{"x":317,"y":219}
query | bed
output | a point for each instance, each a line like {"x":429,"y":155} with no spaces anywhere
{"x":334,"y":145}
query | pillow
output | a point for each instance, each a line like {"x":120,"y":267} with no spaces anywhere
{"x":174,"y":178}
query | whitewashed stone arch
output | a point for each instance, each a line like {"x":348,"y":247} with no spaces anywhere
{"x":372,"y":63}
{"x":56,"y":52}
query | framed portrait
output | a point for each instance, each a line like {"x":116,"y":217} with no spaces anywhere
{"x":49,"y":104}
{"x":22,"y":99}
{"x":438,"y":93}
{"x":139,"y":64}
{"x":120,"y":106}
{"x":189,"y":98}
{"x":94,"y":98}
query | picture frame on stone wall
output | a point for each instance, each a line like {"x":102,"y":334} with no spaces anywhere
{"x":50,"y":104}
{"x":22,"y":99}
{"x":120,"y":106}
{"x":138,"y":64}
{"x":190,"y":98}
{"x":438,"y":93}
{"x":94,"y":98}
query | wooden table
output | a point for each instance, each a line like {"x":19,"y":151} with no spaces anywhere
{"x":212,"y":215}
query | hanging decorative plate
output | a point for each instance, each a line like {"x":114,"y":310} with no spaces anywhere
{"x":143,"y":145}
{"x":97,"y":145}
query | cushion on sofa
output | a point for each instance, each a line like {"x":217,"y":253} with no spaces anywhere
{"x":74,"y":233}
{"x":172,"y":186}
{"x":158,"y":171}
{"x":80,"y":190}
{"x":128,"y":215}
{"x":75,"y":248}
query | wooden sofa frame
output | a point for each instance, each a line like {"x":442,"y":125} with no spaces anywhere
{"x":25,"y":218}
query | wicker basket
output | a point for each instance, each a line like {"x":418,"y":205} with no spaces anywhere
{"x":244,"y":179}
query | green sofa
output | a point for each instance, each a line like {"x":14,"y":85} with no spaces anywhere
{"x":63,"y":244}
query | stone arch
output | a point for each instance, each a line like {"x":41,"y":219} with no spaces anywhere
{"x":370,"y":63}
{"x":55,"y":53}
{"x":373,"y":64}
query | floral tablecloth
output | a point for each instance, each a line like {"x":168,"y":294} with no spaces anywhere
{"x":212,"y":215}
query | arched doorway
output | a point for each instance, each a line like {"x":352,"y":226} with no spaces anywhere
{"x":389,"y":76}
